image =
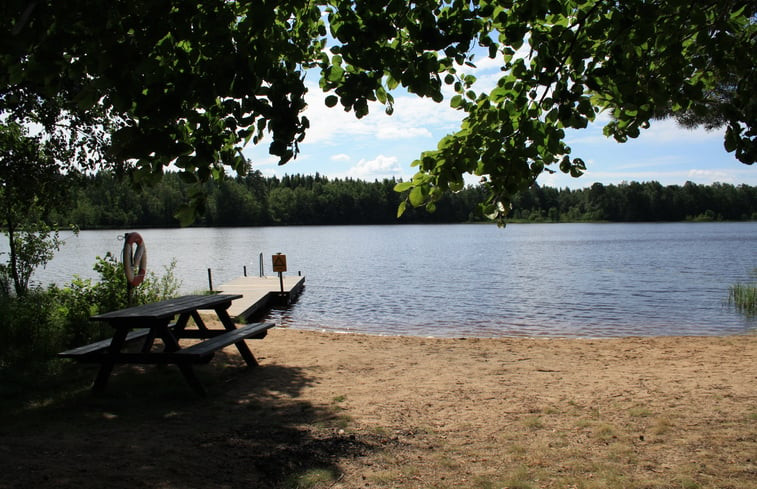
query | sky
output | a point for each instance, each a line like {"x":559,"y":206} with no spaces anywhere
{"x":339,"y":145}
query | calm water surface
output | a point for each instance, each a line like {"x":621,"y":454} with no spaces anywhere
{"x":569,"y":280}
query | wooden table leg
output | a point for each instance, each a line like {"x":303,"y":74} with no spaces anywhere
{"x":191,"y":378}
{"x":198,"y":321}
{"x":244,"y":350}
{"x":106,"y":366}
{"x":149,"y":341}
{"x":172,"y":344}
{"x":181,"y":324}
{"x":160,"y":329}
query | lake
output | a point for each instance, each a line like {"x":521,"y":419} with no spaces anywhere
{"x":541,"y":280}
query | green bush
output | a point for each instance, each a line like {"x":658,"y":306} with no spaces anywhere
{"x":84,"y":298}
{"x":30,"y":329}
{"x":42,"y":322}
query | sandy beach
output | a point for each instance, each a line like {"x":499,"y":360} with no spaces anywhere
{"x":329,"y":410}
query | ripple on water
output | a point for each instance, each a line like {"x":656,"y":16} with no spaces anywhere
{"x":556,"y":280}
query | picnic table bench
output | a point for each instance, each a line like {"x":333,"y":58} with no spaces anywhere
{"x":150,"y":321}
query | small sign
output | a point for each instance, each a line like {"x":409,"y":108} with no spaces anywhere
{"x":279,"y":263}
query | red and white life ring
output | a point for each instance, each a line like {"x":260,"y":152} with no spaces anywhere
{"x":137,"y":259}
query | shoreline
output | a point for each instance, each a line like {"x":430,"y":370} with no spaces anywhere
{"x":324,"y":330}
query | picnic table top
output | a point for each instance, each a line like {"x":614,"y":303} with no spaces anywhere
{"x":168,"y":308}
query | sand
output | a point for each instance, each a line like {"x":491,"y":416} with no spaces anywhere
{"x":348,"y":411}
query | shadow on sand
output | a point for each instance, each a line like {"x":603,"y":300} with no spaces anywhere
{"x":149,"y":430}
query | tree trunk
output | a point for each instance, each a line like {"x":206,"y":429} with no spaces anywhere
{"x":17,"y":285}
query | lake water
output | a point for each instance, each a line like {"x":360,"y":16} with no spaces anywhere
{"x":551,"y":280}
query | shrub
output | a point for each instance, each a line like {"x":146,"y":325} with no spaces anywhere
{"x":30,"y":329}
{"x":84,"y":298}
{"x":37,"y":325}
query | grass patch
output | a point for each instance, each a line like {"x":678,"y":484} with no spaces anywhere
{"x":23,"y":391}
{"x":519,"y":479}
{"x":639,"y":412}
{"x":621,"y":453}
{"x":661,"y":426}
{"x":383,"y":477}
{"x":486,"y":482}
{"x":381,"y":431}
{"x":550,"y":410}
{"x":612,"y":478}
{"x":448,"y":463}
{"x":533,"y":422}
{"x":340,"y":422}
{"x":516,"y":449}
{"x":605,"y":432}
{"x":689,"y":484}
{"x":743,"y":297}
{"x":312,"y":478}
{"x":583,"y":423}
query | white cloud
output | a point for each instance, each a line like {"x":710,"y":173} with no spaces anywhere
{"x":710,"y":176}
{"x":328,"y":125}
{"x":413,"y":117}
{"x":340,"y":157}
{"x":671,"y":177}
{"x":668,"y":130}
{"x":264,"y":161}
{"x":380,"y":167}
{"x":413,"y":111}
{"x":485,"y":63}
{"x":660,"y":132}
{"x":399,"y":132}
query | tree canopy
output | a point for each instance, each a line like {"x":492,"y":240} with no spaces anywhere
{"x":144,"y":84}
{"x":30,"y":187}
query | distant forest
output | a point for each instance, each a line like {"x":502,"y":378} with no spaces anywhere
{"x":104,"y":201}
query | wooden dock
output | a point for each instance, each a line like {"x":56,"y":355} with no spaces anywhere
{"x":260,"y":293}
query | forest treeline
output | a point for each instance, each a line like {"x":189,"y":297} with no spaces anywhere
{"x":104,"y":201}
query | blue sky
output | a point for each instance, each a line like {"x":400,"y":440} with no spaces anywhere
{"x":380,"y":146}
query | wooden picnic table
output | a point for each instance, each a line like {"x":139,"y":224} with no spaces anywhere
{"x":150,"y":321}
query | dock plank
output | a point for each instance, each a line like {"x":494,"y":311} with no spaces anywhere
{"x":259,"y":293}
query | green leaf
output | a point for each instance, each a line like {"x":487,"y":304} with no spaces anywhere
{"x":456,"y":185}
{"x":331,"y":100}
{"x":334,"y":73}
{"x":186,"y":215}
{"x":401,"y":208}
{"x":403,"y":186}
{"x":416,"y":197}
{"x":381,"y":94}
{"x":361,"y":108}
{"x":731,"y":140}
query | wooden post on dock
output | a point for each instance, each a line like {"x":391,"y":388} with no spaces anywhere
{"x":280,"y":266}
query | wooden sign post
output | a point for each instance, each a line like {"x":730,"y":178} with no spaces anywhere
{"x":280,"y":266}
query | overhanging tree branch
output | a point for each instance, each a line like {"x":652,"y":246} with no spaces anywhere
{"x":189,"y":84}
